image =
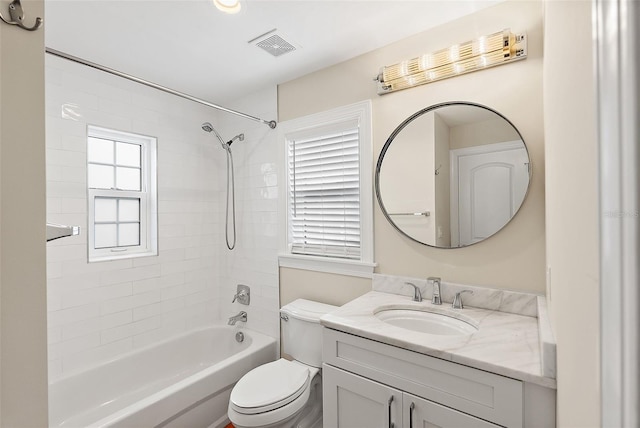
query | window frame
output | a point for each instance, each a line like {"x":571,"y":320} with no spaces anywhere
{"x":287,"y":131}
{"x":147,"y":196}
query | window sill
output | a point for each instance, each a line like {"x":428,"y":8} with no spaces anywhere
{"x":121,"y":256}
{"x":328,"y":265}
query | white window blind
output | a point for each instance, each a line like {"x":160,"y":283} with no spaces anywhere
{"x":324,"y":192}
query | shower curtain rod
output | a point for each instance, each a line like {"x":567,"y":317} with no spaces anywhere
{"x":271,"y":123}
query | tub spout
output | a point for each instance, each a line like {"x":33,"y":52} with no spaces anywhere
{"x":242,"y":316}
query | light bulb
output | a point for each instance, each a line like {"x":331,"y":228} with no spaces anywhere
{"x":228,"y":6}
{"x":454,"y":53}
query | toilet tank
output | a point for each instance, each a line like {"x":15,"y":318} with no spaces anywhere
{"x":301,"y":330}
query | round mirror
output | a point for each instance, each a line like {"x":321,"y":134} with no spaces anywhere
{"x":452,"y":174}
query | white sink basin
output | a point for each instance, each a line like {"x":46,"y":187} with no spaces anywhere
{"x":425,"y":322}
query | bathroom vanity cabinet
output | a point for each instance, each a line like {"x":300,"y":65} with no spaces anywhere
{"x":372,"y":384}
{"x":353,"y":401}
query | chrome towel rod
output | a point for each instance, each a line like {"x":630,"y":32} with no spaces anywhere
{"x":424,"y":213}
{"x":271,"y":123}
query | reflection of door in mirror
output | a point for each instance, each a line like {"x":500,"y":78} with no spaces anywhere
{"x":489,"y":182}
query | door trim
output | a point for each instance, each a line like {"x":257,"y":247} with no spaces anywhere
{"x":616,"y":27}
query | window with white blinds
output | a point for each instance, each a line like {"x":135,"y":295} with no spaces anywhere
{"x":324,"y":191}
{"x":326,"y":161}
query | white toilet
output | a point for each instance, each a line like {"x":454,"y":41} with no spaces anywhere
{"x":285,"y":393}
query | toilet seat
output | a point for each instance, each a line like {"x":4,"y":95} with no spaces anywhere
{"x":270,"y":386}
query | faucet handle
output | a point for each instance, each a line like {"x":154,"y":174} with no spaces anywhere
{"x":417,"y":295}
{"x":457,"y":300}
{"x":243,"y":295}
{"x":239,"y":296}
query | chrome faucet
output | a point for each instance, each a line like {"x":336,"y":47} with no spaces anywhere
{"x":242,"y":316}
{"x":417,"y":296}
{"x":435,"y":299}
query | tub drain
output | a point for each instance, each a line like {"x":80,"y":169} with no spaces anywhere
{"x":239,"y":337}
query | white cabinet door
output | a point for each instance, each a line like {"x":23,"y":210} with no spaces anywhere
{"x":421,"y":413}
{"x":351,"y":401}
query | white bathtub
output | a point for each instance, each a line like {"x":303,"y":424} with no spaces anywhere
{"x":183,"y":382}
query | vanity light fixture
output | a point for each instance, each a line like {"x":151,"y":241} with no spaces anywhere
{"x":228,"y":6}
{"x":484,"y":52}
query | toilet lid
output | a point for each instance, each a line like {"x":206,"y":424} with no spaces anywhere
{"x":270,"y":386}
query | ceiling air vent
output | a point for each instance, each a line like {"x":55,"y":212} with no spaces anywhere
{"x":273,"y":43}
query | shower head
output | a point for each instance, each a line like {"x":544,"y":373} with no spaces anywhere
{"x":209,"y":128}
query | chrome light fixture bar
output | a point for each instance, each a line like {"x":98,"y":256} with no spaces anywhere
{"x":487,"y":51}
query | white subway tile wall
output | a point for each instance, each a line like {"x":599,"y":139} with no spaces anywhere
{"x":254,"y":260}
{"x":97,"y":311}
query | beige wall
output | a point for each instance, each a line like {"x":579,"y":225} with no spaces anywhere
{"x":480,"y":133}
{"x":514,"y":257}
{"x":572,"y":207}
{"x":407,"y":181}
{"x":321,"y":287}
{"x":23,"y":340}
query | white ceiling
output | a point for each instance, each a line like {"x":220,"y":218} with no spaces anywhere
{"x":190,"y":46}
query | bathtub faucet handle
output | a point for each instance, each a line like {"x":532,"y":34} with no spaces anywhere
{"x":238,"y":296}
{"x":243,"y":295}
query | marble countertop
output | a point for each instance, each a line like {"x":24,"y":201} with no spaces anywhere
{"x":506,"y":344}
